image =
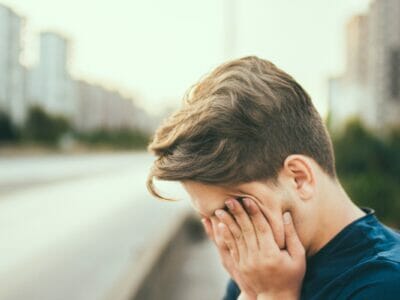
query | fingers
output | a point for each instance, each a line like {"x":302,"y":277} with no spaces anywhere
{"x":235,"y":231}
{"x":293,"y":244}
{"x":224,"y":252}
{"x":244,"y":222}
{"x":262,"y":228}
{"x":229,"y":240}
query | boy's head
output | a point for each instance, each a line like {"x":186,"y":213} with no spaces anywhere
{"x":245,"y":125}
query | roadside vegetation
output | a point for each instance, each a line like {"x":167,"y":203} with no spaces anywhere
{"x":45,"y":130}
{"x":368,"y":166}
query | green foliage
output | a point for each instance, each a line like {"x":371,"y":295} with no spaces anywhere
{"x":120,"y":139}
{"x":369,"y":168}
{"x":8,"y":133}
{"x":48,"y":130}
{"x":43,"y":128}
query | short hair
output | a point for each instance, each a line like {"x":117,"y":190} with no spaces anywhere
{"x":238,"y":124}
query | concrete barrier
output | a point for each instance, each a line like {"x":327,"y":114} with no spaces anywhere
{"x":151,"y":277}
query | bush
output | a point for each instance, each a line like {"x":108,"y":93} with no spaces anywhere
{"x":369,"y":169}
{"x":8,"y":133}
{"x":120,"y":139}
{"x":44,"y":128}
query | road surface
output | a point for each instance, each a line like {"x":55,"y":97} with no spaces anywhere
{"x":70,"y":226}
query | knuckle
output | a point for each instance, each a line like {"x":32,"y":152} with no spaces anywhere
{"x":229,"y":245}
{"x":246,"y":229}
{"x":262,"y":229}
{"x":237,"y":235}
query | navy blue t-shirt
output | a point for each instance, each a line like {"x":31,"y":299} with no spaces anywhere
{"x":361,"y":262}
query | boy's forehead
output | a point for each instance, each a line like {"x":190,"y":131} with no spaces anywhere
{"x":207,"y":204}
{"x":207,"y":198}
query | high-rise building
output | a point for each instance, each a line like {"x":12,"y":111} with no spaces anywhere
{"x":12,"y":85}
{"x":347,"y":93}
{"x":356,"y":49}
{"x":101,"y":108}
{"x":52,"y":86}
{"x":370,"y":86}
{"x":384,"y":62}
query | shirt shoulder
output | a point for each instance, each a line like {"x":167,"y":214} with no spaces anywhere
{"x":378,"y":279}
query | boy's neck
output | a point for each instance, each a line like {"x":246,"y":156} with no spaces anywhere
{"x":336,"y":212}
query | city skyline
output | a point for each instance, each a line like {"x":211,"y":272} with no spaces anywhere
{"x":156,"y":60}
{"x":48,"y":85}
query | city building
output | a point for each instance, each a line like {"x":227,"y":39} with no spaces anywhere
{"x":101,"y":108}
{"x":12,"y":79}
{"x":370,"y":86}
{"x":384,"y":62}
{"x":52,"y":87}
{"x":348,"y":96}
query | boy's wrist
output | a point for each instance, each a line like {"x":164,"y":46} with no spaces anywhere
{"x":244,"y":296}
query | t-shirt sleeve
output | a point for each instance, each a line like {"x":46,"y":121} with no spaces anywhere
{"x":232,"y":291}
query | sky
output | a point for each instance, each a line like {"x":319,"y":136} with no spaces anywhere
{"x":155,"y":50}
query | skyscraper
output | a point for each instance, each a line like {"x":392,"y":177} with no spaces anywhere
{"x":53,"y":87}
{"x":356,"y":49}
{"x":347,"y":93}
{"x":370,"y":86}
{"x":384,"y":62}
{"x":12,"y":87}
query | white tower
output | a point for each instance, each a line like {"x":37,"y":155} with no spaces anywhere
{"x":12,"y":87}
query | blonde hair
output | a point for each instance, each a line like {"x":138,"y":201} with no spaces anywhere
{"x":238,"y":124}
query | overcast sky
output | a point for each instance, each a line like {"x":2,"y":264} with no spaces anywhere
{"x":157,"y":49}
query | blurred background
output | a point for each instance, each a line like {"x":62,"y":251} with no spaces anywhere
{"x":84,"y":84}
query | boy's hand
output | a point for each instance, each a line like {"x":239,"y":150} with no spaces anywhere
{"x":210,"y":226}
{"x":263,"y":268}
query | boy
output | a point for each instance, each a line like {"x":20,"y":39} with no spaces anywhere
{"x":255,"y":157}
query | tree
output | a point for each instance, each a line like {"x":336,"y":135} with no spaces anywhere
{"x":8,"y":133}
{"x":369,"y":169}
{"x":44,"y":128}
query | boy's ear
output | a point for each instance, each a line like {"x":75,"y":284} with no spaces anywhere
{"x":301,"y":175}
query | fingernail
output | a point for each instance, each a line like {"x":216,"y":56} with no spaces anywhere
{"x":287,"y":218}
{"x":219,"y":213}
{"x":230,"y":204}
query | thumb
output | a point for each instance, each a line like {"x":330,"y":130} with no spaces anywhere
{"x":293,"y":243}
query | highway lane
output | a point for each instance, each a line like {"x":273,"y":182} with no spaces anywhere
{"x":21,"y":172}
{"x":73,"y":238}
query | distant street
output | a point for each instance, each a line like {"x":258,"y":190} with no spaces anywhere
{"x":70,"y":225}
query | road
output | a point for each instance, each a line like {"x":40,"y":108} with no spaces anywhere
{"x":70,"y":226}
